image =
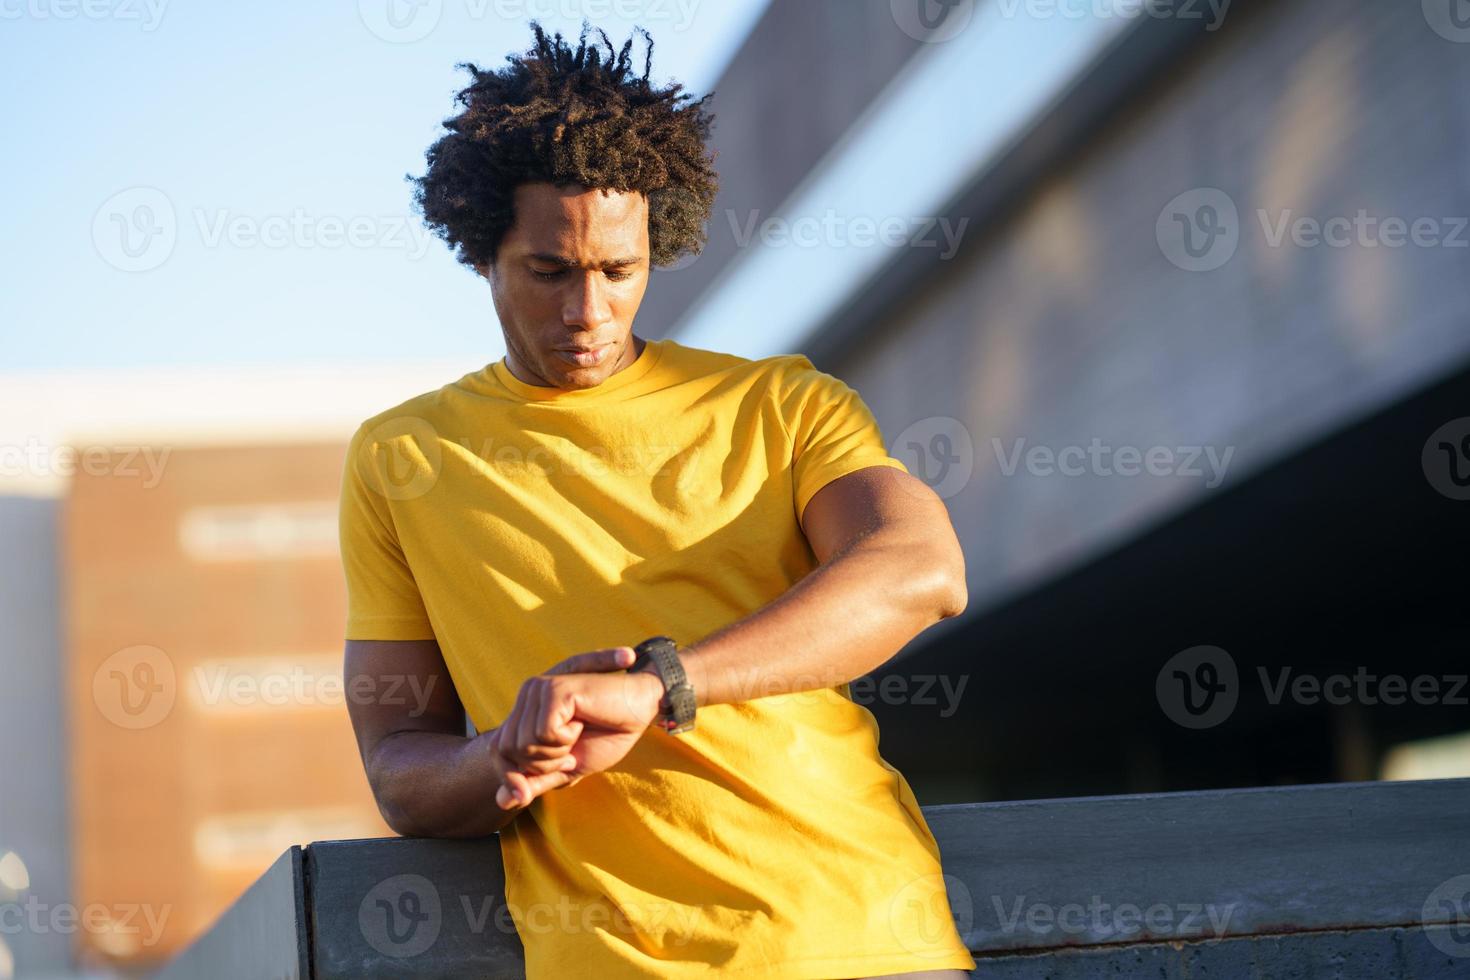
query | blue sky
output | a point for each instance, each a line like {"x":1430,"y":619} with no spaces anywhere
{"x":272,"y":139}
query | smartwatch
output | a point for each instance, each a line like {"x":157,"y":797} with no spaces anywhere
{"x":676,"y":707}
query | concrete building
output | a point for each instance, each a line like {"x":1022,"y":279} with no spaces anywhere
{"x":1176,"y":318}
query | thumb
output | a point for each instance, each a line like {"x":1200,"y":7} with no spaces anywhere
{"x":596,"y":662}
{"x":518,"y":788}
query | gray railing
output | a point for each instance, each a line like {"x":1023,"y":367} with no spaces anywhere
{"x":1350,"y":880}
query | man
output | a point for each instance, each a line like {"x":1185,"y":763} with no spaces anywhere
{"x":510,"y":538}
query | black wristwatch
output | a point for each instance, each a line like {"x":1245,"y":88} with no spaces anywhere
{"x":676,"y":707}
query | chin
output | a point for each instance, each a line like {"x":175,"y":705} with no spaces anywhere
{"x":579,"y":377}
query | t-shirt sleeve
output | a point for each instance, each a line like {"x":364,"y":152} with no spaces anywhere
{"x":383,"y":600}
{"x":833,"y":433}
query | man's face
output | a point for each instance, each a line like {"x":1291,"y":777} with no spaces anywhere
{"x":567,"y":282}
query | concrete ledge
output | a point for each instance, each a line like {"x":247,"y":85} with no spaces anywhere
{"x":1291,"y":881}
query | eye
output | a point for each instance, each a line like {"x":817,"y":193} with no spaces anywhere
{"x":547,"y":275}
{"x":618,"y":276}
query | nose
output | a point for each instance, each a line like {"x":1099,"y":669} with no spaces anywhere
{"x":586,"y":305}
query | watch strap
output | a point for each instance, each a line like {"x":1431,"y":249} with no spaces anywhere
{"x":676,"y":707}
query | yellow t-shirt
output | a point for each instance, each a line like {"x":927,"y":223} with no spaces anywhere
{"x":519,"y":524}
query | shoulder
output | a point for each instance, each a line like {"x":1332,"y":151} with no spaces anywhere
{"x":420,"y":416}
{"x":778,"y":371}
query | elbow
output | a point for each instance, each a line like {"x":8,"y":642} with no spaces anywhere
{"x":948,"y":592}
{"x":394,"y":813}
{"x":954,"y":589}
{"x":954,"y":596}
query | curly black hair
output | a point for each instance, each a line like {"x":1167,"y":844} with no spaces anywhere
{"x":569,"y":117}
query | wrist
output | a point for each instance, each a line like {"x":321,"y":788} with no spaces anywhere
{"x":480,"y":757}
{"x":675,"y":709}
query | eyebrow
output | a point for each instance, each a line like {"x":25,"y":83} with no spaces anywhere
{"x":566,"y":263}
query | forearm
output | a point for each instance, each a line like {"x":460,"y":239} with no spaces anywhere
{"x":847,"y":617}
{"x":432,"y":784}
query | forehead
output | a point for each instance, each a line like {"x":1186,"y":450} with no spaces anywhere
{"x":574,"y":219}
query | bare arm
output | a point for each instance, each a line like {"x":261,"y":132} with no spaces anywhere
{"x":891,"y":566}
{"x":428,"y":778}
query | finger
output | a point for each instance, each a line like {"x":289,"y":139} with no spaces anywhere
{"x":554,"y":714}
{"x":514,"y":792}
{"x":530,"y":747}
{"x":508,"y":734}
{"x":596,"y":662}
{"x":519,"y":789}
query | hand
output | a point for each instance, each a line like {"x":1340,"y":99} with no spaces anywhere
{"x":581,"y":716}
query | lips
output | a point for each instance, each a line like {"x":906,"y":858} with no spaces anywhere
{"x":582,"y":356}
